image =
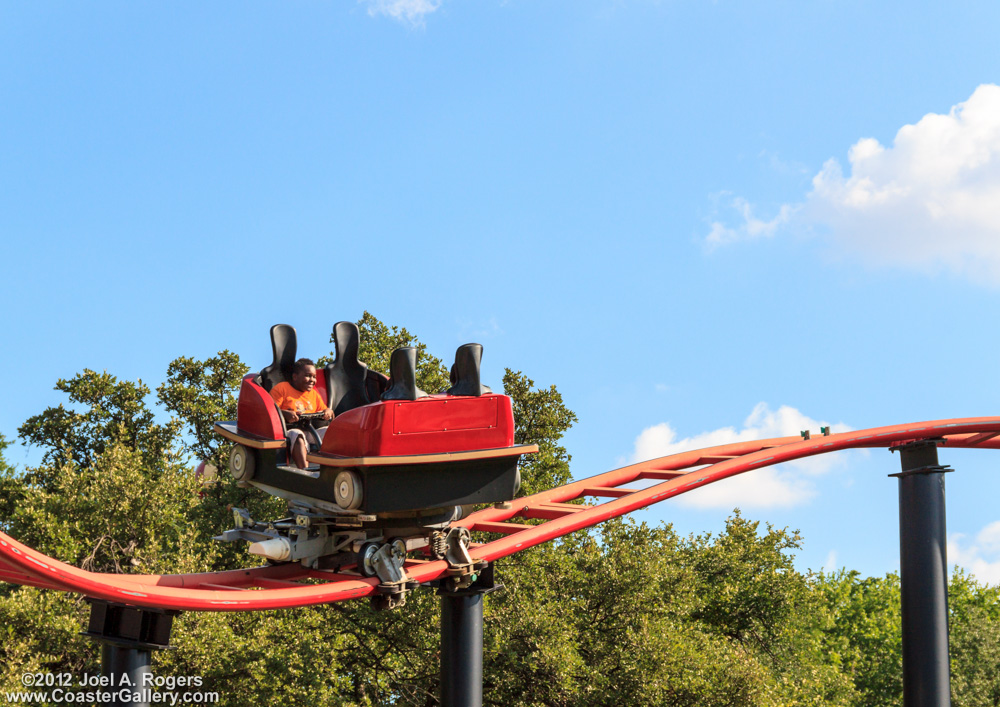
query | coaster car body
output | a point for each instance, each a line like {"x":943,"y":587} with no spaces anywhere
{"x":396,"y":465}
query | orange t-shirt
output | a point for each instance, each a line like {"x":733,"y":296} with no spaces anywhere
{"x":289,"y":398}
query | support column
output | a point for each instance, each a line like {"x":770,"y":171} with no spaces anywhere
{"x":462,"y":642}
{"x":923,"y":562}
{"x":128,"y":637}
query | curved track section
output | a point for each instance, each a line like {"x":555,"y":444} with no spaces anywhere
{"x":551,"y":512}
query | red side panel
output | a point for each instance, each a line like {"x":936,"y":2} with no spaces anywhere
{"x":438,"y":423}
{"x":356,"y":433}
{"x":321,"y":386}
{"x":441,"y":414}
{"x":256,"y":412}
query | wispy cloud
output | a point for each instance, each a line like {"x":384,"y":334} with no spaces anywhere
{"x":780,"y":486}
{"x":929,"y":201}
{"x":830,"y":565}
{"x":981,"y":555}
{"x":474,"y":329}
{"x":779,"y":165}
{"x":411,"y":12}
{"x":748,"y":226}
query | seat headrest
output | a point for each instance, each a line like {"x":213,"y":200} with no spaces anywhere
{"x":283,"y":346}
{"x":346,"y":377}
{"x":465,"y":371}
{"x":403,"y":376}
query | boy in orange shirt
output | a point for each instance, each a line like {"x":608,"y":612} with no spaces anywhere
{"x":300,"y":397}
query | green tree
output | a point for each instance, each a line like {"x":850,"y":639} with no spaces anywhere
{"x":201,"y":393}
{"x":541,"y":418}
{"x":865,"y":636}
{"x":974,"y":623}
{"x":11,"y":488}
{"x":633,"y":614}
{"x":121,"y":513}
{"x":114,"y":412}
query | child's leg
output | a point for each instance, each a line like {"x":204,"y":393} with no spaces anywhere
{"x":297,"y":447}
{"x":299,"y":452}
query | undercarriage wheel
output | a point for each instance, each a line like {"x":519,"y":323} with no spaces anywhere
{"x":398,"y":546}
{"x":347,"y":490}
{"x":242,"y":463}
{"x":366,"y":559}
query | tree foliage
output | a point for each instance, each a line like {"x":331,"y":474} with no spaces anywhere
{"x":200,"y":393}
{"x":114,"y":412}
{"x":624,"y":614}
{"x":865,"y":636}
{"x":974,"y":618}
{"x":540,"y":418}
{"x":633,"y":614}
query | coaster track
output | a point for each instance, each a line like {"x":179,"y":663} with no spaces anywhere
{"x":291,"y":585}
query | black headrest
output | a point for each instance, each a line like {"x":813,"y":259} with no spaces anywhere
{"x":283,"y":346}
{"x":465,"y":371}
{"x":346,"y":377}
{"x":403,"y":376}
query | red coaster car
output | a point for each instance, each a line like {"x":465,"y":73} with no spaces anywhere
{"x":393,"y":457}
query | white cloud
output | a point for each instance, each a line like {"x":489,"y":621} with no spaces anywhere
{"x":784,"y":485}
{"x":411,"y":12}
{"x":750,"y":226}
{"x":929,"y":201}
{"x":830,"y":566}
{"x":472,"y":329}
{"x":981,"y":556}
{"x":781,"y":166}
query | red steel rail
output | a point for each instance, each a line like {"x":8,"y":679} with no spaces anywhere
{"x":284,"y":586}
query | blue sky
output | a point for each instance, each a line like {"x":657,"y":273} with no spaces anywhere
{"x":698,"y":220}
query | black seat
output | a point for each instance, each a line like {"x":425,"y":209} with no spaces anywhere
{"x":403,"y":376}
{"x":283,"y":345}
{"x":375,"y":385}
{"x":465,"y":371}
{"x":347,"y":377}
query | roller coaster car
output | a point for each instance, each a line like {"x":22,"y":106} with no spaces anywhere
{"x":396,"y":465}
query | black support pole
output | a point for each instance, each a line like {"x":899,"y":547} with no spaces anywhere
{"x":462,"y":642}
{"x":462,"y":650}
{"x":126,"y":666}
{"x":924,"y":576}
{"x":128,"y":636}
